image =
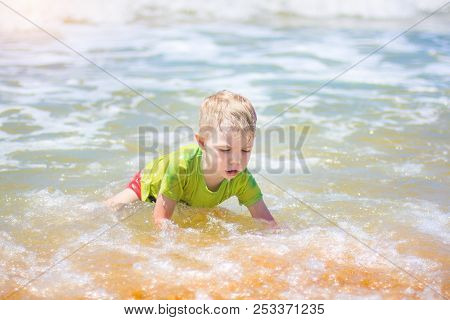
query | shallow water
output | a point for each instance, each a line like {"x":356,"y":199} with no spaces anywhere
{"x":377,"y":153}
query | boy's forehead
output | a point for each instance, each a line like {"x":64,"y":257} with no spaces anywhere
{"x":229,"y":137}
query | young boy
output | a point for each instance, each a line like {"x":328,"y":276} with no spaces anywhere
{"x":209,"y":172}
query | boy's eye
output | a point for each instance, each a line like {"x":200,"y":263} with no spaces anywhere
{"x":226,"y":150}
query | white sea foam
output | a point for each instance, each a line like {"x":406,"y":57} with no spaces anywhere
{"x":428,"y":218}
{"x":409,"y":169}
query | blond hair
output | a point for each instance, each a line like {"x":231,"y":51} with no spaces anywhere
{"x":226,"y":110}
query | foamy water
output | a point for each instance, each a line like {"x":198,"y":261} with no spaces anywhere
{"x":377,"y":151}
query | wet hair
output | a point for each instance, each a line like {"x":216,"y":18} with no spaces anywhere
{"x":227,"y":111}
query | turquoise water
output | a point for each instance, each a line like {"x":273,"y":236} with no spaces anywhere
{"x":377,"y":152}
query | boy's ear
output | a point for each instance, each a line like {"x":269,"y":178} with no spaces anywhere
{"x":200,"y":141}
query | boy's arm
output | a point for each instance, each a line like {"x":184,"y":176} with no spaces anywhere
{"x":259,"y":211}
{"x":163,"y":210}
{"x":122,"y":198}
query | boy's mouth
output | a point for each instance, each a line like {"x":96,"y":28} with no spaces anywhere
{"x":232,"y":172}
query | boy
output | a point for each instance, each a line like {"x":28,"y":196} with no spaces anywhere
{"x":209,"y":172}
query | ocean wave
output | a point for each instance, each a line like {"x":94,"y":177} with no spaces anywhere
{"x":51,"y":12}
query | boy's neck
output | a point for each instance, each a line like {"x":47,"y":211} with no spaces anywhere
{"x":213,"y":181}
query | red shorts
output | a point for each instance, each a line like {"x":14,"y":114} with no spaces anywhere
{"x":135,"y":184}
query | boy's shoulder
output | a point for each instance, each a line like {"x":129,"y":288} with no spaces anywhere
{"x":186,"y":152}
{"x":184,"y":159}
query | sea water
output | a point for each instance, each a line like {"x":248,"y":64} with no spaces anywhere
{"x":368,"y":219}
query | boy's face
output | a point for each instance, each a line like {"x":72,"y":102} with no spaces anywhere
{"x":226,"y":152}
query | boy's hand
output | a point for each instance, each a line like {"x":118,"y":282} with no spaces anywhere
{"x":259,"y":210}
{"x":166,"y":226}
{"x":117,"y":202}
{"x":163,"y":210}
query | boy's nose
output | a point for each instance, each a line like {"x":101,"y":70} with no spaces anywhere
{"x":235,"y":158}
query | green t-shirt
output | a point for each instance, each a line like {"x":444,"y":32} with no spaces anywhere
{"x":179,"y":176}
